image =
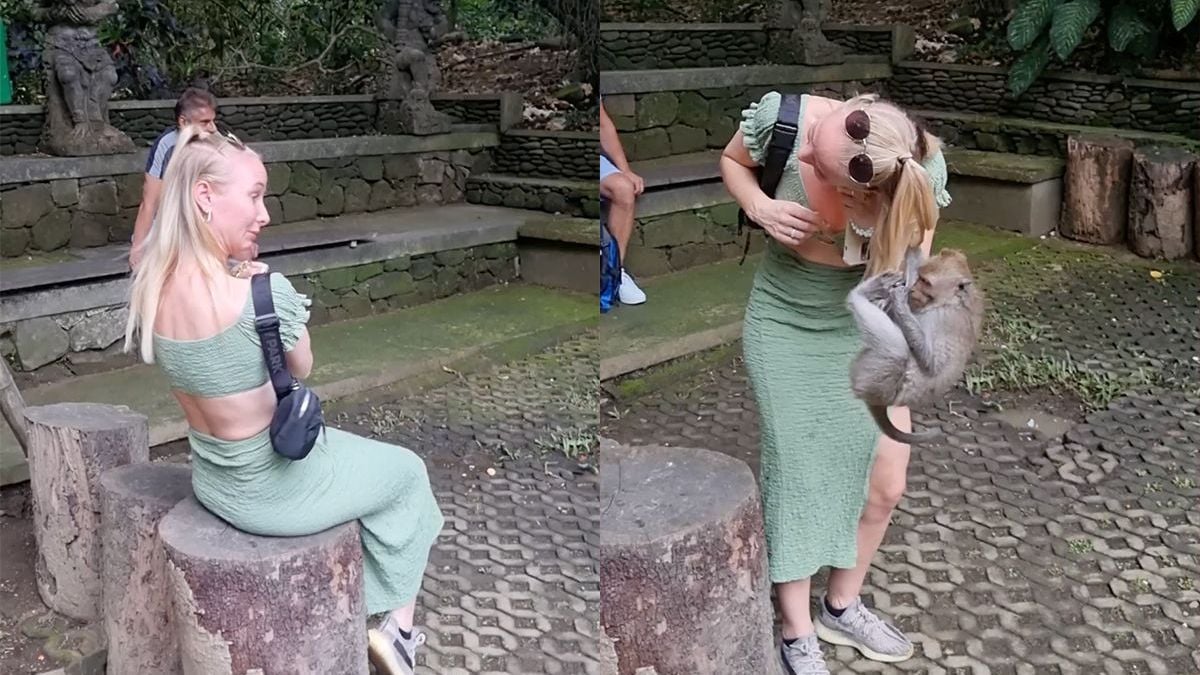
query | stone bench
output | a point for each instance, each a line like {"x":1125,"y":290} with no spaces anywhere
{"x":1021,"y":193}
{"x":681,"y":542}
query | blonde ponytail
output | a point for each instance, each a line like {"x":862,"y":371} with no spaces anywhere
{"x":912,"y":212}
{"x":180,"y":232}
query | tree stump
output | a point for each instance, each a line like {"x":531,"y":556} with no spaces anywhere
{"x":1196,"y":212}
{"x":1160,"y":203}
{"x":1096,"y":199}
{"x":70,"y":446}
{"x":137,"y":607}
{"x":283,"y":604}
{"x":683,"y":574}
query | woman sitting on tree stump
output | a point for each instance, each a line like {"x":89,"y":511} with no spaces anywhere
{"x":194,"y":316}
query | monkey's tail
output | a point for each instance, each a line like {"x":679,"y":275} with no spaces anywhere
{"x":879,"y":412}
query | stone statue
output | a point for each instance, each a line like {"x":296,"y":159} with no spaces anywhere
{"x":795,"y":33}
{"x":80,"y":77}
{"x":411,"y":28}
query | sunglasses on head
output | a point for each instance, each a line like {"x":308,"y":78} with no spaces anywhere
{"x":858,"y":126}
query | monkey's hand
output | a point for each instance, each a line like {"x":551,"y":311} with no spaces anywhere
{"x":879,"y":287}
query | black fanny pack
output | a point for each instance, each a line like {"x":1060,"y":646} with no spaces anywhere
{"x":298,"y":420}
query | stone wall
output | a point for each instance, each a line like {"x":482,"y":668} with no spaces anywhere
{"x":548,"y":154}
{"x":626,"y":46}
{"x":666,"y":123}
{"x":88,"y":212}
{"x":579,"y":198}
{"x":978,"y":132}
{"x":676,"y":241}
{"x":720,"y":45}
{"x":83,"y":342}
{"x":1075,"y":98}
{"x":258,"y":119}
{"x":860,"y":41}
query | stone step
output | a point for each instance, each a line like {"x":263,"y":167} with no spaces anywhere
{"x":548,"y":154}
{"x":578,"y":198}
{"x":561,"y":253}
{"x":675,"y":170}
{"x":1027,"y":136}
{"x":351,"y":266}
{"x":461,"y":332}
{"x":296,"y":248}
{"x":698,"y":308}
{"x":1021,"y":193}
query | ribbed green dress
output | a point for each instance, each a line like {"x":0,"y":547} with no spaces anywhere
{"x":345,"y":477}
{"x":818,"y":441}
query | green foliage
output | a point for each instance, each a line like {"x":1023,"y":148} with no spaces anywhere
{"x":1070,"y":23}
{"x":1042,"y":29}
{"x":502,"y":19}
{"x":1182,"y":12}
{"x":1029,"y":22}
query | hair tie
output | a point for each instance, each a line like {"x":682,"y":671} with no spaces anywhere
{"x":903,"y":158}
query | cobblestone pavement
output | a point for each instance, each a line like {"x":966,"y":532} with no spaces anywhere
{"x":512,"y":585}
{"x":1019,"y":551}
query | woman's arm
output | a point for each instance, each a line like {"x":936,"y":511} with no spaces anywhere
{"x":300,"y":357}
{"x":787,"y":222}
{"x":610,"y":143}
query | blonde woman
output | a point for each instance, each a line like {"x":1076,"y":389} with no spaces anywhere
{"x":193,"y":315}
{"x":861,"y":181}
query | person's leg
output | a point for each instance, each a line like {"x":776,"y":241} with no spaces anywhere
{"x":843,"y":619}
{"x":622,"y":195}
{"x":794,"y":599}
{"x":619,"y":191}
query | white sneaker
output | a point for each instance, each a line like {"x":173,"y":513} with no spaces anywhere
{"x":629,"y":292}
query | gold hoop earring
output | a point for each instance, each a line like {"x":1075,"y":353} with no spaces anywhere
{"x":208,"y":216}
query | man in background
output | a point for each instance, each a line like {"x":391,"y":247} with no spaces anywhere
{"x":195,"y":106}
{"x":620,"y":187}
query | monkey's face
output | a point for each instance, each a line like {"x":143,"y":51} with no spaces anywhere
{"x":943,"y":279}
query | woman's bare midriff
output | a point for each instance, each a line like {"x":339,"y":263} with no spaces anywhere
{"x":231,"y":418}
{"x":234,"y":417}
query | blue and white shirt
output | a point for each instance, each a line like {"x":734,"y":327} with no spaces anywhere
{"x":160,"y":152}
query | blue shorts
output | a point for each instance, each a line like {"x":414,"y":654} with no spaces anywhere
{"x":607,"y":168}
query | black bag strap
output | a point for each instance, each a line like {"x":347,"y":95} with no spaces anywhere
{"x":266,"y":322}
{"x":783,"y":141}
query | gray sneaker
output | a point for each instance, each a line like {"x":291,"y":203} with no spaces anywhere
{"x":393,"y":655}
{"x":857,"y":627}
{"x":804,"y":657}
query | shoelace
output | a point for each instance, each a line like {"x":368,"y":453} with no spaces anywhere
{"x":810,"y":649}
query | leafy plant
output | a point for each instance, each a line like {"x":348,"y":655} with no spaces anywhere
{"x":1044,"y":29}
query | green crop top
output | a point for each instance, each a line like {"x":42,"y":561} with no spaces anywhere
{"x":231,"y":361}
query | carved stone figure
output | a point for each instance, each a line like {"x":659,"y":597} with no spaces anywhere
{"x":80,"y":77}
{"x":796,"y":37}
{"x":411,"y":28}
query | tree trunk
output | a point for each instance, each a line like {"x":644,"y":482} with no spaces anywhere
{"x":683,"y":575}
{"x":1096,"y":194}
{"x":70,"y":446}
{"x":1160,"y":203}
{"x":137,"y":607}
{"x":283,"y":604}
{"x":12,"y":405}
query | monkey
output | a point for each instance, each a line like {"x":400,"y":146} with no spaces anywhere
{"x":919,"y":330}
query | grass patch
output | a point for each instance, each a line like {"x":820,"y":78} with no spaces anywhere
{"x":1080,"y":546}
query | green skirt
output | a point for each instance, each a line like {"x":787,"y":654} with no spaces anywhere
{"x":818,"y":441}
{"x":345,"y":477}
